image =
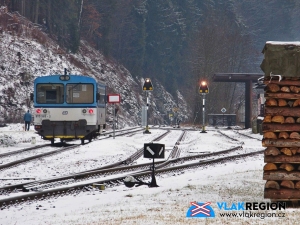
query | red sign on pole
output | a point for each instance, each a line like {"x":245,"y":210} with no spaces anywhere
{"x":113,"y":98}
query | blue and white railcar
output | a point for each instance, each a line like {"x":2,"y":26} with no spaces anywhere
{"x":69,"y":107}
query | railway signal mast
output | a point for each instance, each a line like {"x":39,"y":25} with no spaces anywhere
{"x":203,"y":90}
{"x":147,"y":87}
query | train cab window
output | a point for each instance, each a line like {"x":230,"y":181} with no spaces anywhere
{"x":80,"y":93}
{"x":50,"y":94}
{"x":102,"y":93}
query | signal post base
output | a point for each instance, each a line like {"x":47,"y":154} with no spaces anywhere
{"x":147,"y":131}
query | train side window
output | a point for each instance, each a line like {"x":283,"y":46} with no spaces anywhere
{"x":102,"y":95}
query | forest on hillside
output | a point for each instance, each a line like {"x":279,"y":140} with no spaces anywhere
{"x":178,"y":42}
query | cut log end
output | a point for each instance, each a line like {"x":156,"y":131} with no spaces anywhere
{"x":278,"y":119}
{"x":270,"y":166}
{"x":270,"y":135}
{"x":272,"y":151}
{"x":272,"y":184}
{"x":286,"y":151}
{"x":287,"y":167}
{"x":287,"y":184}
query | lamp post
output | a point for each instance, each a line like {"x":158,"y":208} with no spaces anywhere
{"x":203,"y":90}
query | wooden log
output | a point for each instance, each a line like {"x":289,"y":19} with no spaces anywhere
{"x":287,"y":167}
{"x":271,"y":102}
{"x":282,"y":158}
{"x":270,"y":166}
{"x":282,"y":193}
{"x":283,"y":111}
{"x":275,"y":127}
{"x":272,"y":184}
{"x":287,"y":151}
{"x":284,"y":135}
{"x":281,"y":175}
{"x":285,"y":89}
{"x":272,"y":87}
{"x":294,"y":89}
{"x":298,"y":120}
{"x":296,"y":103}
{"x":270,"y":135}
{"x":280,"y":143}
{"x":295,"y":135}
{"x":289,"y":119}
{"x":278,"y":119}
{"x":282,"y":95}
{"x":283,"y":82}
{"x":268,"y":119}
{"x":282,"y":102}
{"x":287,"y":184}
{"x":272,"y":151}
{"x":294,"y":151}
{"x":297,"y":185}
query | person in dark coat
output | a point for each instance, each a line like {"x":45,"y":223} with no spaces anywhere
{"x":27,"y":119}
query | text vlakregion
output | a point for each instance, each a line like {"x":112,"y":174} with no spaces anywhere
{"x":251,"y":205}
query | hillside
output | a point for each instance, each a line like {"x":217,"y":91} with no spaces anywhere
{"x":27,"y":52}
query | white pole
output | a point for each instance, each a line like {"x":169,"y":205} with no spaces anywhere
{"x":114,"y":124}
{"x":203,"y":115}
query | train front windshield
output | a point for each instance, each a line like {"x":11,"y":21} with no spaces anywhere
{"x":80,"y":93}
{"x":50,"y":93}
{"x":55,"y":93}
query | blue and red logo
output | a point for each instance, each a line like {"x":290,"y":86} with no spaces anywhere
{"x":200,"y":209}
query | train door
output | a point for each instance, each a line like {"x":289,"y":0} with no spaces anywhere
{"x":101,"y":105}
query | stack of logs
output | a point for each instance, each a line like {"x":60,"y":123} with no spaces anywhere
{"x":281,"y":137}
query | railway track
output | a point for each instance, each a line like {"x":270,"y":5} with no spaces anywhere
{"x":248,"y":136}
{"x":79,"y":176}
{"x":118,"y":180}
{"x":174,"y":163}
{"x":61,"y":147}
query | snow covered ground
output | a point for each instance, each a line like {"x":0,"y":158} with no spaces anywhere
{"x":231,"y":182}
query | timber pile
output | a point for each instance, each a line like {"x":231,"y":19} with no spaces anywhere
{"x":281,"y":125}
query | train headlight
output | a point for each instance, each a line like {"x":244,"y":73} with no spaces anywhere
{"x":44,"y":110}
{"x":84,"y":111}
{"x":91,"y":111}
{"x":38,"y":111}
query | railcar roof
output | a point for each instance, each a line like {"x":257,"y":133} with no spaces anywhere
{"x":73,"y":78}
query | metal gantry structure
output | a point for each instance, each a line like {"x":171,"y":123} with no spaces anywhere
{"x":248,"y":79}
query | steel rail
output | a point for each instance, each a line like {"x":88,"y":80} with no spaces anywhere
{"x":42,"y":195}
{"x":110,"y":171}
{"x":248,"y":136}
{"x":22,"y":150}
{"x":30,"y":185}
{"x":17,"y":162}
{"x":14,"y":163}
